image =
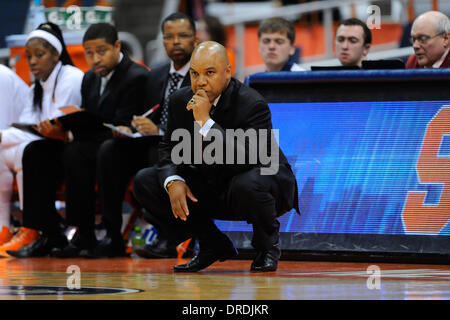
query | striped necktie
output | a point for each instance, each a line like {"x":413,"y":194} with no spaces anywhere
{"x":174,"y":78}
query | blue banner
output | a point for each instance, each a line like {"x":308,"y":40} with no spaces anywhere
{"x":366,"y":167}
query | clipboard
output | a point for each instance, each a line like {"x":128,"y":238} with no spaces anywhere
{"x":27,"y":127}
{"x":129,"y":135}
{"x":70,"y":109}
{"x":114,"y":128}
{"x":81,"y":120}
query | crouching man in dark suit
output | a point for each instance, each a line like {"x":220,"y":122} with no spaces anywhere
{"x":207,"y":167}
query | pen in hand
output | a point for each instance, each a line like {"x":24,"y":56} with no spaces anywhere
{"x":143,"y":124}
{"x":149,"y":112}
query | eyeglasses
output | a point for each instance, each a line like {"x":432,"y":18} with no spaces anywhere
{"x":424,"y":39}
{"x":181,"y":36}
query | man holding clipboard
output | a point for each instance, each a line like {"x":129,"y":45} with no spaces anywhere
{"x":120,"y":159}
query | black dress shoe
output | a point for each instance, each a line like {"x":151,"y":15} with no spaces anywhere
{"x":161,"y":248}
{"x":41,"y":247}
{"x":108,"y":248}
{"x":264,"y":262}
{"x":76,"y":247}
{"x":207,"y":257}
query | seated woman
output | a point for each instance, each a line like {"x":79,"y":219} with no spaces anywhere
{"x":57,"y":83}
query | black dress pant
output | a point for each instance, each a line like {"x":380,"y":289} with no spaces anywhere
{"x":249,"y":196}
{"x":81,"y":164}
{"x":42,"y":176}
{"x":118,"y":161}
{"x":47,"y":163}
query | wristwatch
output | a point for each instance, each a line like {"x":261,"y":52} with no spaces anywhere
{"x":169,"y":184}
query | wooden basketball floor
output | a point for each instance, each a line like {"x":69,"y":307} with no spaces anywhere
{"x":153,"y":279}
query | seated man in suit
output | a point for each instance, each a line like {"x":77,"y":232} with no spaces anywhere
{"x":113,"y":90}
{"x":120,"y":159}
{"x":353,"y":41}
{"x":193,"y":183}
{"x":430,"y":38}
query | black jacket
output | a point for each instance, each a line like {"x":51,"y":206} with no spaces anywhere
{"x":239,"y":107}
{"x":123,"y":96}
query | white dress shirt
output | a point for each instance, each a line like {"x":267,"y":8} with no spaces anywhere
{"x":438,"y":63}
{"x":104,"y":80}
{"x":210,"y":122}
{"x":182,"y":72}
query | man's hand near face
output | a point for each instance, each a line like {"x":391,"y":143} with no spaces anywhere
{"x":200,"y":106}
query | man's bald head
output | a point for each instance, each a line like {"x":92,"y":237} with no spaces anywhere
{"x":210,"y":69}
{"x":430,"y":32}
{"x":436,"y":19}
{"x":210,"y":48}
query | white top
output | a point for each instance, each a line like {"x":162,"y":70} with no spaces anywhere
{"x":438,"y":63}
{"x":296,"y":67}
{"x":67,"y":92}
{"x":13,"y":93}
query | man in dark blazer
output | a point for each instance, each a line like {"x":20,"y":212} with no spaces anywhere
{"x":120,"y":159}
{"x":112,"y":90}
{"x":196,"y":181}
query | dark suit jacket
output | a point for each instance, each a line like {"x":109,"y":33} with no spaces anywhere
{"x":156,"y":86}
{"x":239,"y":107}
{"x":123,"y":96}
{"x":413,"y":64}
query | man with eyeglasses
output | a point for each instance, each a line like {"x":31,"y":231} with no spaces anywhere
{"x":353,"y":40}
{"x":430,"y":40}
{"x":179,"y":40}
